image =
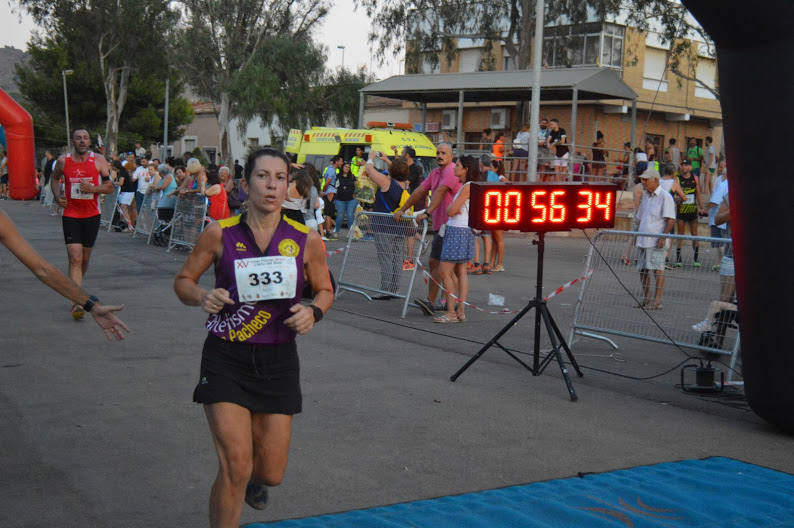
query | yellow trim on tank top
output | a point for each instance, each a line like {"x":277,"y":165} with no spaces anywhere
{"x":296,"y":225}
{"x":229,"y":222}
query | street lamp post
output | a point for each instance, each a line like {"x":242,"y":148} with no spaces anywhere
{"x":64,"y":73}
{"x":343,"y":55}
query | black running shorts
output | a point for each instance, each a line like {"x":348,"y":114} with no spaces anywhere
{"x":80,"y":230}
{"x":261,"y":378}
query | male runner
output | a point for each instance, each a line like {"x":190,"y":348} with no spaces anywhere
{"x":85,"y":174}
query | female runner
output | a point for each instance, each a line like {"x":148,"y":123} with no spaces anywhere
{"x":249,"y":381}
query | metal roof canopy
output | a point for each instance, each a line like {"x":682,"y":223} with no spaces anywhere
{"x":559,"y":84}
{"x":556,"y":85}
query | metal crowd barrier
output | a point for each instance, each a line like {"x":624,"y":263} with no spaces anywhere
{"x":605,"y":308}
{"x":107,"y":207}
{"x":188,"y":222}
{"x":147,"y":217}
{"x":384,"y":261}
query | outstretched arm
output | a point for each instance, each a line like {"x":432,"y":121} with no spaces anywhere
{"x":52,"y":277}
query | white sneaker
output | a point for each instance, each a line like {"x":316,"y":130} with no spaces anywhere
{"x":702,"y":326}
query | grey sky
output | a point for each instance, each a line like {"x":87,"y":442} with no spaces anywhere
{"x":336,"y":31}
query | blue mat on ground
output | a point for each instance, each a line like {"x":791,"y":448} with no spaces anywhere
{"x":715,"y":492}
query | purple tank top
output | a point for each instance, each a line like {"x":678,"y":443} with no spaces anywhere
{"x":258,"y":322}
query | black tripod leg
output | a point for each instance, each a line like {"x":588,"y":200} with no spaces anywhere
{"x":556,"y":350}
{"x":493,"y":340}
{"x":568,"y":352}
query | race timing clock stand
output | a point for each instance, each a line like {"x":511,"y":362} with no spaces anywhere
{"x":540,"y":208}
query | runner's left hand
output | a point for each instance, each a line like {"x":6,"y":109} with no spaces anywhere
{"x":110,"y":324}
{"x":86,"y":187}
{"x":302,"y":321}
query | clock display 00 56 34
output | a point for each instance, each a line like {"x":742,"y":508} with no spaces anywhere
{"x":542,"y":206}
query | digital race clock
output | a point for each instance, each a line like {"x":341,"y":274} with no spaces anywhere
{"x":542,"y":206}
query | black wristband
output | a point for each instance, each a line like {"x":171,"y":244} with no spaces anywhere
{"x":89,"y":304}
{"x":318,"y":313}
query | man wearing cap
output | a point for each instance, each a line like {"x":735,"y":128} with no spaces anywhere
{"x":657,"y":215}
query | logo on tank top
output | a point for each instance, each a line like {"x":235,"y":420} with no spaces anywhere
{"x":240,"y":247}
{"x":288,"y":248}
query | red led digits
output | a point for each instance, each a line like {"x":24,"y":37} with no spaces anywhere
{"x":606,"y":206}
{"x":539,"y":207}
{"x":587,"y":206}
{"x":542,"y":207}
{"x":557,"y":212}
{"x":489,"y":197}
{"x":516,"y":218}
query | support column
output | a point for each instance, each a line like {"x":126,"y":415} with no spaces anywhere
{"x":534,"y":112}
{"x":460,"y":147}
{"x":633,"y":142}
{"x":362,"y":99}
{"x":424,"y":118}
{"x":572,"y":133}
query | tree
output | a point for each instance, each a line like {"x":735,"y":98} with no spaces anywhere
{"x":428,"y":29}
{"x":40,"y":84}
{"x":339,"y":96}
{"x":103,"y":33}
{"x":221,"y":38}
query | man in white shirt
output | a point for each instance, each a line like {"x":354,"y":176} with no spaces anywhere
{"x":720,"y":192}
{"x":711,"y":164}
{"x":657,"y":215}
{"x":144,"y":179}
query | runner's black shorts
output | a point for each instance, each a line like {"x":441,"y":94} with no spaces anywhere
{"x":80,"y":230}
{"x":4,"y":179}
{"x":688,"y":217}
{"x":261,"y":378}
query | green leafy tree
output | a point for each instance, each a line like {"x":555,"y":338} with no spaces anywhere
{"x":41,"y":86}
{"x":221,"y":39}
{"x":118,"y":37}
{"x":339,"y":97}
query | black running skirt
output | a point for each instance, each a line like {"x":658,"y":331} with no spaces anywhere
{"x":261,"y":378}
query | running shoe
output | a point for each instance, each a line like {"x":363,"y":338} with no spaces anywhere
{"x":702,"y":326}
{"x":679,"y":264}
{"x":77,"y":312}
{"x":696,"y":264}
{"x":256,"y":495}
{"x":715,"y":267}
{"x":408,"y":265}
{"x":474,"y":270}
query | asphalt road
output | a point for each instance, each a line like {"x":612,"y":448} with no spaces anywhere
{"x":105,"y":434}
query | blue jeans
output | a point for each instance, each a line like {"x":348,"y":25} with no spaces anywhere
{"x":345,"y":207}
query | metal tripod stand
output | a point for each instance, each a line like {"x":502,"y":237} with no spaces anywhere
{"x":541,"y":313}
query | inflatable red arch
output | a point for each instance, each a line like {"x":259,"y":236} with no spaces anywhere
{"x":18,"y":126}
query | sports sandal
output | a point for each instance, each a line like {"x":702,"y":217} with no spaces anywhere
{"x":446,"y":318}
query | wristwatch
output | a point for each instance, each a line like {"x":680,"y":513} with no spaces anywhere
{"x":318,"y":313}
{"x":89,"y":304}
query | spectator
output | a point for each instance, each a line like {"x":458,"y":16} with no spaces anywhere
{"x":358,"y":161}
{"x":556,"y":142}
{"x":213,"y":189}
{"x":675,"y":152}
{"x":443,"y":185}
{"x":458,"y":246}
{"x":723,"y":311}
{"x":720,"y":192}
{"x":695,"y":156}
{"x":388,"y":242}
{"x":521,"y":152}
{"x":165,"y":198}
{"x":599,"y":156}
{"x":300,"y":184}
{"x":238,"y":170}
{"x":657,"y":215}
{"x":127,"y":194}
{"x":641,"y":160}
{"x":4,"y":177}
{"x":49,"y":165}
{"x":688,"y":211}
{"x":498,"y":147}
{"x":650,"y":150}
{"x":486,"y":140}
{"x":143,"y":178}
{"x":329,"y":192}
{"x":707,"y":180}
{"x":344,"y":201}
{"x":140,"y":152}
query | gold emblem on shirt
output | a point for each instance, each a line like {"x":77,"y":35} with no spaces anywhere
{"x":240,"y":246}
{"x":288,"y":248}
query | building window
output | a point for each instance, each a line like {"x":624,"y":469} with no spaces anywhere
{"x":427,"y":67}
{"x":654,"y":70}
{"x":591,"y":45}
{"x":253,"y":142}
{"x":189,"y":143}
{"x":706,"y":72}
{"x":469,"y":60}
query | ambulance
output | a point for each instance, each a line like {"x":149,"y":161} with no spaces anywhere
{"x":317,"y":145}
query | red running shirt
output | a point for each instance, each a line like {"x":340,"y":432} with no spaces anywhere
{"x":80,"y":204}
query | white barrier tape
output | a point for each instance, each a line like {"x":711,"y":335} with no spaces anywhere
{"x":335,"y":252}
{"x":504,"y":311}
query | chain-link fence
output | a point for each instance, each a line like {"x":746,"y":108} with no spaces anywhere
{"x":383,"y":261}
{"x":188,"y":221}
{"x":147,"y":216}
{"x":107,"y":208}
{"x":688,"y":292}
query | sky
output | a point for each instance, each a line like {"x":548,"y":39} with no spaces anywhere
{"x":334,"y":32}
